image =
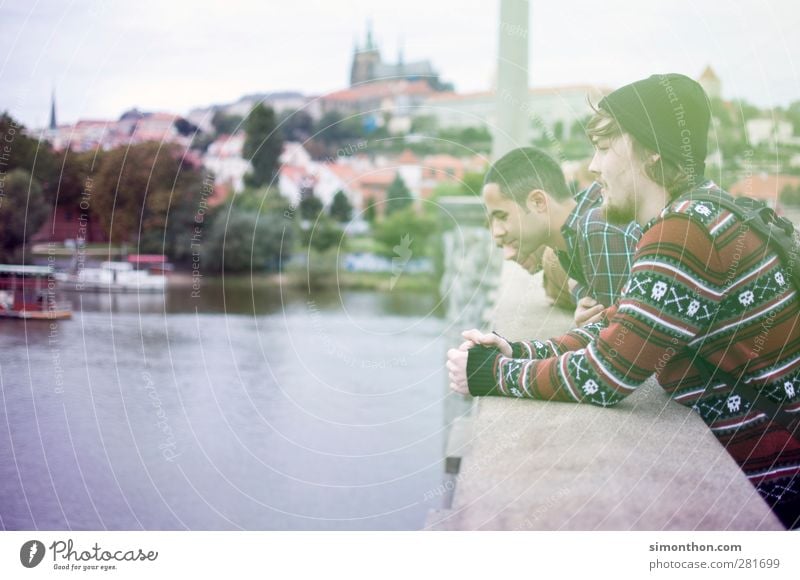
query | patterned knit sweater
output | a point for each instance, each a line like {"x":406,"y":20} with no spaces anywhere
{"x":701,"y":282}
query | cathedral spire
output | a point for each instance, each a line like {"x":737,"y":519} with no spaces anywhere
{"x":370,"y":43}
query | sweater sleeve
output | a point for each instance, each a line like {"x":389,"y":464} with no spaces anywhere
{"x":572,"y":340}
{"x":671,"y":297}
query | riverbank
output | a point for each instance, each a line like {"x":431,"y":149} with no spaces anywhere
{"x":377,"y":281}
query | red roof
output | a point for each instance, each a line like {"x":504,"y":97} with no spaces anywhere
{"x":147,"y":258}
{"x":380,"y":90}
{"x":764,"y":186}
{"x":407,"y":157}
{"x":343,"y":172}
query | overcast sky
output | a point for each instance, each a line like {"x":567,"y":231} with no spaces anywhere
{"x":104,"y":57}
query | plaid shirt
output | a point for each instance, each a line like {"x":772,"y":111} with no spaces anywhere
{"x":599,"y":254}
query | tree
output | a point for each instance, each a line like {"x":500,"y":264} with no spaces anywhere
{"x":472,"y":184}
{"x":323,"y":235}
{"x":226,"y":124}
{"x":23,"y":152}
{"x":262,"y":146}
{"x":341,"y":210}
{"x":242,"y":241}
{"x":790,"y":195}
{"x":135,"y":186}
{"x":406,"y":224}
{"x":398,"y":196}
{"x":22,"y":212}
{"x":310,"y":206}
{"x":296,"y":125}
{"x":334,"y":129}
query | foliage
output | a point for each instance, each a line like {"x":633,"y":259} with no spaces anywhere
{"x":23,"y":152}
{"x":135,"y":186}
{"x":22,"y":211}
{"x":419,"y":228}
{"x":341,"y":210}
{"x":323,"y":235}
{"x":262,"y":146}
{"x":335,"y":130}
{"x":243,"y":241}
{"x":790,"y":195}
{"x":310,"y":207}
{"x":296,"y":125}
{"x":398,"y":196}
{"x":226,"y":124}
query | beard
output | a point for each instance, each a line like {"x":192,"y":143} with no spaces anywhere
{"x":621,"y":215}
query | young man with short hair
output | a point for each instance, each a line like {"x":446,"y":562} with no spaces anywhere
{"x":530,"y":208}
{"x":705,"y":292}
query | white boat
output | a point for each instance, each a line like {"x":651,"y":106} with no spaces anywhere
{"x":113,"y":277}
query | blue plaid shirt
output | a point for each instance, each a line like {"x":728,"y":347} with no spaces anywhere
{"x":599,"y":254}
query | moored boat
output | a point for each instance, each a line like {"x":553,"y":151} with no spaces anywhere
{"x":29,"y":292}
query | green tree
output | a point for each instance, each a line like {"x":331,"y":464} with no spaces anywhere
{"x":790,"y":195}
{"x":23,"y":210}
{"x":370,"y":212}
{"x":472,"y":184}
{"x":296,"y":125}
{"x":242,"y":241}
{"x":334,"y":130}
{"x":32,"y":155}
{"x":310,"y":207}
{"x":406,"y":224}
{"x":398,"y":196}
{"x":341,"y":210}
{"x":134,"y":188}
{"x":226,"y":124}
{"x":446,"y":189}
{"x":262,"y":146}
{"x":323,"y":235}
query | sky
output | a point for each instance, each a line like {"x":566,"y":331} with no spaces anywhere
{"x":103,"y":57}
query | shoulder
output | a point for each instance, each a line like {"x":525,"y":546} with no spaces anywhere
{"x":589,"y":198}
{"x":706,"y":214}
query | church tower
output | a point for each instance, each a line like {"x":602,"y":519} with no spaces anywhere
{"x":365,"y":61}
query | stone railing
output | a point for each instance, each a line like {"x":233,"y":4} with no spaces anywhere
{"x":646,"y":464}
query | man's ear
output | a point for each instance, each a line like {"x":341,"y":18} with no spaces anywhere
{"x":537,"y":201}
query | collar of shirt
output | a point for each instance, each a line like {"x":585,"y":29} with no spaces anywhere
{"x":585,"y":200}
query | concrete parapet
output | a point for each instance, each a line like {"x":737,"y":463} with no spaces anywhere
{"x":646,"y":464}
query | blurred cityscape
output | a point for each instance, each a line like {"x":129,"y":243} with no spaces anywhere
{"x":358,"y":167}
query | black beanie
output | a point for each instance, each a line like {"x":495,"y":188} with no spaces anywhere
{"x":668,"y":114}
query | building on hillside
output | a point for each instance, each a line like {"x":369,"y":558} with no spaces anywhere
{"x":368,"y":66}
{"x":770,"y":131}
{"x":711,"y":83}
{"x":374,"y":102}
{"x":546,"y":108}
{"x":224,"y":158}
{"x":765,"y":186}
{"x":131,"y":128}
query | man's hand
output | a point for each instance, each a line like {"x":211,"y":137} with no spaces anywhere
{"x":457,"y":370}
{"x":589,"y":310}
{"x":491,"y":340}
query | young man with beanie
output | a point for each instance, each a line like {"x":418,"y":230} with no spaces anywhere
{"x":705,"y":292}
{"x":531,"y":208}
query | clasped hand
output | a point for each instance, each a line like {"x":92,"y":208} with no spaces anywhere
{"x":457,"y":357}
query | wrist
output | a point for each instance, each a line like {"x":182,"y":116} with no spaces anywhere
{"x":481,"y":371}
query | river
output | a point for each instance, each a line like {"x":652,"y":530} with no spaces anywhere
{"x":257,"y":409}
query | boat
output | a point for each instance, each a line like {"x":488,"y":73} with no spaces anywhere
{"x":29,"y":292}
{"x":113,"y":277}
